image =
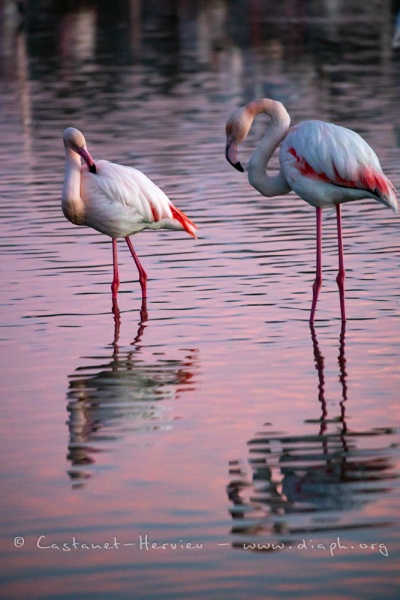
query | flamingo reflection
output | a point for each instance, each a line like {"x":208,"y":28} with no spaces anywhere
{"x":122,"y":391}
{"x":312,"y":482}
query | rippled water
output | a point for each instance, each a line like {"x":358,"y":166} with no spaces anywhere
{"x":210,"y":445}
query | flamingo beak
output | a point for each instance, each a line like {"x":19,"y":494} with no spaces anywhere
{"x":231,"y":154}
{"x":84,"y":153}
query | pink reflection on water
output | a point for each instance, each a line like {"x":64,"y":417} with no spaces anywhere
{"x":328,"y":470}
{"x":166,"y":403}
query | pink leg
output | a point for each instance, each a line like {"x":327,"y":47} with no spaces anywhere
{"x":142,"y":272}
{"x":318,"y":274}
{"x":115,"y":282}
{"x":341,"y":274}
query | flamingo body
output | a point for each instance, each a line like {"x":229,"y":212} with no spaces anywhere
{"x":121,"y":201}
{"x":325,"y":164}
{"x":115,"y":200}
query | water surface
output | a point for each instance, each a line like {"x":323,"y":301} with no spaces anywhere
{"x":212,"y":445}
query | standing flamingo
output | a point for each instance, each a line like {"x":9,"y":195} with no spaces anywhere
{"x":325,"y":164}
{"x":115,"y":200}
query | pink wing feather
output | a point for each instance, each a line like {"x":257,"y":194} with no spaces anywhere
{"x":339,"y":156}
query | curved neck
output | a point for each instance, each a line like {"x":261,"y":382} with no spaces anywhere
{"x":72,"y":205}
{"x":280,"y":121}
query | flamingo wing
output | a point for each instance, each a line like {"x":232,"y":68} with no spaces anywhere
{"x":332,"y":154}
{"x":128,"y":193}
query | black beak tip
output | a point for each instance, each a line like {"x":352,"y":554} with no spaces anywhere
{"x":239,"y":167}
{"x":237,"y":164}
{"x":92,"y":168}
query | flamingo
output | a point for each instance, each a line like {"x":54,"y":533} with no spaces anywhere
{"x":325,"y":164}
{"x":115,"y":200}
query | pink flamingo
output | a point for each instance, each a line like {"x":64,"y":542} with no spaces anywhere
{"x":115,"y":200}
{"x":325,"y":164}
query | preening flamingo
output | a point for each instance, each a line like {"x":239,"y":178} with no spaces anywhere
{"x":325,"y":164}
{"x":115,"y":200}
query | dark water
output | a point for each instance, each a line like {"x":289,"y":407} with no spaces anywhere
{"x":213,"y":446}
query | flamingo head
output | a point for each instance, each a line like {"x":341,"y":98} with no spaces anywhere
{"x":75,"y":141}
{"x":237,"y":129}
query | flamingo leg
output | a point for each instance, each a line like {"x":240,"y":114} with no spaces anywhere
{"x":342,"y":273}
{"x":142,"y":272}
{"x":318,"y":271}
{"x":115,"y":282}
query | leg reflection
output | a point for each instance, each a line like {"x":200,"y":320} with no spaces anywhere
{"x":123,"y":389}
{"x":320,"y":367}
{"x":320,"y":479}
{"x":343,"y":375}
{"x":117,"y":322}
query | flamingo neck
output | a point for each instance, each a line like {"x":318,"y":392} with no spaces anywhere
{"x":280,"y":121}
{"x":72,"y":205}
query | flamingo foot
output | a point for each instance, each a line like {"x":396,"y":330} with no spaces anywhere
{"x":340,"y":281}
{"x":114,"y":288}
{"x":144,"y":315}
{"x":316,"y":288}
{"x":143,"y":284}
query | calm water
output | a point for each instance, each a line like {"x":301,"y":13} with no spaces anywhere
{"x":215,"y":446}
